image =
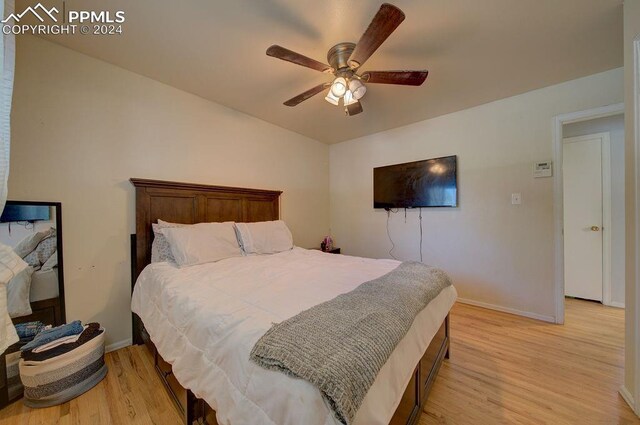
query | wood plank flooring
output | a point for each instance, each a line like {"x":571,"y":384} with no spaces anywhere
{"x":504,"y":369}
{"x":130,"y":394}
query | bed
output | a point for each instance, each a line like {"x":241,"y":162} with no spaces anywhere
{"x":200,"y":348}
{"x":44,"y":285}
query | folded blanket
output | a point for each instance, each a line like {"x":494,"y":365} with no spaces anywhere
{"x":340,"y":345}
{"x":92,"y":330}
{"x":48,"y":335}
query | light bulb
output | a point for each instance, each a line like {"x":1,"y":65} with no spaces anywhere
{"x":332,"y":99}
{"x":339,"y":86}
{"x":357,"y":88}
{"x":348,"y":98}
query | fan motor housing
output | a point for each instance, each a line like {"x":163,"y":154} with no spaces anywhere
{"x":339,"y":54}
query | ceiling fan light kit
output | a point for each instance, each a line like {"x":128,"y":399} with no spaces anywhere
{"x":331,"y":98}
{"x":357,"y":88}
{"x":339,"y":87}
{"x":345,"y":59}
{"x":349,"y":99}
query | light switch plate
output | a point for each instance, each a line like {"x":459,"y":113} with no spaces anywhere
{"x":516,"y":199}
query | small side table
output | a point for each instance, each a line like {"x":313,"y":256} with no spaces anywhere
{"x":333,"y":251}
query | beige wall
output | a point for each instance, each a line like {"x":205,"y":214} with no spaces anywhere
{"x":498,"y":254}
{"x":631,"y":32}
{"x":82,"y":128}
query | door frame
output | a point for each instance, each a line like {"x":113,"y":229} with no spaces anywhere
{"x":634,"y":322}
{"x":605,"y":165}
{"x":558,"y":195}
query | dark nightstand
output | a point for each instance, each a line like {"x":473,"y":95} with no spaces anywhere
{"x":333,"y":251}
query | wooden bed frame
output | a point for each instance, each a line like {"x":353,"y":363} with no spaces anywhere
{"x":196,"y":203}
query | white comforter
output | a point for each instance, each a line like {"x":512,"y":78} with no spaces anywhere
{"x":205,"y":319}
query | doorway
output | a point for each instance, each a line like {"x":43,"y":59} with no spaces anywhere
{"x":586,"y":179}
{"x":592,"y":265}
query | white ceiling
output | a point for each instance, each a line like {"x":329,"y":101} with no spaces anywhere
{"x":476,"y":51}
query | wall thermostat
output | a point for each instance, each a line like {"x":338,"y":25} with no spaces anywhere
{"x":542,"y":169}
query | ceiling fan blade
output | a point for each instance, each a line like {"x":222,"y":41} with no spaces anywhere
{"x":293,"y":57}
{"x":403,"y":78}
{"x":383,"y":24}
{"x":354,"y":109}
{"x":306,"y":95}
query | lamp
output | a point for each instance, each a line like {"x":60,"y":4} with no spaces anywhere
{"x":357,"y":88}
{"x":331,"y":98}
{"x":350,"y":90}
{"x":339,"y":86}
{"x":349,"y":99}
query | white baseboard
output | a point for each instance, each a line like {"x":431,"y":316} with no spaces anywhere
{"x":118,"y":345}
{"x":615,"y":304}
{"x":508,"y":310}
{"x":626,"y":395}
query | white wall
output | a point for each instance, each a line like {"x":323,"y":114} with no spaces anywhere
{"x":81,"y":128}
{"x":614,"y":125}
{"x":497,"y":253}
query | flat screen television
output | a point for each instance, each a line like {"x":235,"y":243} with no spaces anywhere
{"x":14,"y":213}
{"x":428,"y":183}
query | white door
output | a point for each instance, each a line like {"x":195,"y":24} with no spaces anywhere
{"x":582,"y":179}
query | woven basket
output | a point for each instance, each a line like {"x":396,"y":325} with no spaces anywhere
{"x":62,"y":378}
{"x":13,"y":375}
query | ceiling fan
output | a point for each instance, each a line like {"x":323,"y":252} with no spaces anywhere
{"x":347,"y":58}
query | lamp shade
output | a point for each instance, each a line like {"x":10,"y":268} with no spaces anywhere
{"x":348,"y":98}
{"x":331,"y":98}
{"x":357,"y":88}
{"x":339,"y":87}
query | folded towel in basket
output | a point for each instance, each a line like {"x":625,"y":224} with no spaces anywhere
{"x":27,"y":331}
{"x":91,"y":331}
{"x":48,"y":335}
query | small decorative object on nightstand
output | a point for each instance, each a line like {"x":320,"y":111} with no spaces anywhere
{"x":332,"y":251}
{"x":327,"y":244}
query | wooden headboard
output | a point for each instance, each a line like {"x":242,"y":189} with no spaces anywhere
{"x":195,"y":203}
{"x":192,"y":203}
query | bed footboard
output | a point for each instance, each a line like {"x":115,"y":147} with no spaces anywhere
{"x":196,"y":411}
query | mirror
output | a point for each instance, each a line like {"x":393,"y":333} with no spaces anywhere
{"x":35,"y":297}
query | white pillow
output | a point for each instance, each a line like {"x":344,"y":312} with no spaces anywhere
{"x":30,"y":243}
{"x":202,"y":243}
{"x":18,"y":294}
{"x":160,"y":249}
{"x":264,"y":237}
{"x":51,"y":262}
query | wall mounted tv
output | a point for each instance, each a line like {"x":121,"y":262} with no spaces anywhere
{"x":14,"y":213}
{"x":428,"y":183}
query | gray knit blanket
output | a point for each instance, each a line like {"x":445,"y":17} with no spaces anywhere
{"x":340,"y":345}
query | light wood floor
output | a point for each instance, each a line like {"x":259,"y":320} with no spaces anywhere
{"x":503,"y":369}
{"x":506,"y":369}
